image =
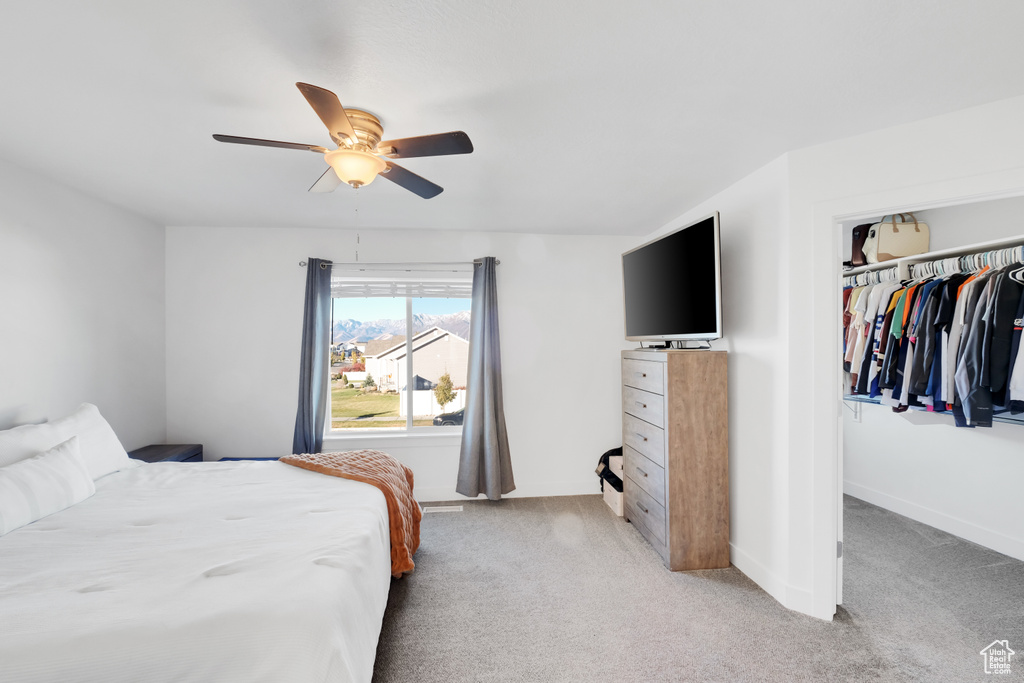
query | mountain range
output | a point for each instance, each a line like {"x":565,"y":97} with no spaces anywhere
{"x":349,"y":330}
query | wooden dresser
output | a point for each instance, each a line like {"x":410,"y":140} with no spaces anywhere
{"x":675,"y":436}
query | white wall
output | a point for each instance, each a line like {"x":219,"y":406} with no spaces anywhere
{"x":234,"y":317}
{"x":81,"y":310}
{"x":955,"y":226}
{"x":965,"y":481}
{"x":754,"y":262}
{"x":968,"y":155}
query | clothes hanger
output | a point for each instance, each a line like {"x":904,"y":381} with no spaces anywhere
{"x":1015,"y":256}
{"x":1015,"y":272}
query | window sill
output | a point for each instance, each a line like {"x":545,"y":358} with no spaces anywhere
{"x":367,"y":439}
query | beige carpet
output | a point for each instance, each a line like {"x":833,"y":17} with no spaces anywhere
{"x":559,"y":589}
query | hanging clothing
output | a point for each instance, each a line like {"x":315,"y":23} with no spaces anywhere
{"x":941,"y":341}
{"x":1004,"y":313}
{"x":974,"y":396}
{"x":1015,"y":382}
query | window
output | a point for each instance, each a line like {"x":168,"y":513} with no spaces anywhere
{"x":371,"y":364}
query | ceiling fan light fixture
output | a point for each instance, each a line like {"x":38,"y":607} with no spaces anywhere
{"x":361,"y":154}
{"x":355,"y":167}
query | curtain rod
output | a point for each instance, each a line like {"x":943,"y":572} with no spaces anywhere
{"x":402,"y":266}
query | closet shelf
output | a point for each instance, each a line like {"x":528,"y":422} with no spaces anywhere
{"x":903,"y":264}
{"x":1006,"y":418}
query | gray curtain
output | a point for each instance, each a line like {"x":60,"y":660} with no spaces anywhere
{"x":316,"y":353}
{"x":485,"y":465}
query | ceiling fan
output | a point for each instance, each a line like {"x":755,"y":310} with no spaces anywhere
{"x":361,"y":154}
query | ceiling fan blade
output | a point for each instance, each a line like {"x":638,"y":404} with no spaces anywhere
{"x":410,"y":181}
{"x":328,"y":107}
{"x":328,"y":182}
{"x":268,"y":143}
{"x":440,"y":144}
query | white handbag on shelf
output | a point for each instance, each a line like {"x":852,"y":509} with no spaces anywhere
{"x":890,"y":239}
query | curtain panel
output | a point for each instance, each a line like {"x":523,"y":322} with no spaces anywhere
{"x":485,"y":464}
{"x":313,"y":360}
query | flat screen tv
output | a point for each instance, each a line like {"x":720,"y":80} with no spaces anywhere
{"x":673,"y":285}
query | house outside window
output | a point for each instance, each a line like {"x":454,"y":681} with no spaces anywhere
{"x":398,"y":363}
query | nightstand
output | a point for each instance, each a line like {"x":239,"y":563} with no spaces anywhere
{"x":187,"y":452}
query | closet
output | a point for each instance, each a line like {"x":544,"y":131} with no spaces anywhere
{"x":902,"y":449}
{"x":936,"y":332}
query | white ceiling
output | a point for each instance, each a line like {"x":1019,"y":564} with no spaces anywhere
{"x":588,"y":117}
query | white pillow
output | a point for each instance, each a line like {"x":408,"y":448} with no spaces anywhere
{"x":33,"y":488}
{"x":25,"y":441}
{"x":101,"y":452}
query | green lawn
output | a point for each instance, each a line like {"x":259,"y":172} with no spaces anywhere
{"x":354,"y":403}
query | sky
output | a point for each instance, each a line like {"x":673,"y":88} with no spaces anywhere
{"x":379,"y":308}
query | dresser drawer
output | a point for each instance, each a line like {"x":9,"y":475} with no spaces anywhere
{"x":644,"y":438}
{"x":645,"y":405}
{"x":634,"y":517}
{"x":644,"y":473}
{"x":643,"y":374}
{"x":645,"y":508}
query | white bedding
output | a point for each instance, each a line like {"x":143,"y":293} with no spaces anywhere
{"x":213,"y":572}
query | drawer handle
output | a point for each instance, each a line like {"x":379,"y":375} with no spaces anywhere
{"x":641,"y":471}
{"x":642,"y":405}
{"x":642,"y":374}
{"x":641,"y":436}
{"x":646,"y":511}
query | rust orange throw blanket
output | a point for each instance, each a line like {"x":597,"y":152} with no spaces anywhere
{"x":392,"y":478}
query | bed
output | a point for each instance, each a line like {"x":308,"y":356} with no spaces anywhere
{"x":218,"y":571}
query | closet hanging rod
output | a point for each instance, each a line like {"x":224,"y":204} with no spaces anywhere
{"x":408,"y":266}
{"x":967,"y":250}
{"x":997,"y":253}
{"x":995,"y":258}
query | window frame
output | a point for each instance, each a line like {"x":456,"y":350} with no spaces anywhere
{"x":409,"y":431}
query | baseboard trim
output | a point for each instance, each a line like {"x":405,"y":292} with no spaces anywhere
{"x":758,"y":573}
{"x":589,"y":486}
{"x":989,"y":538}
{"x":788,"y":596}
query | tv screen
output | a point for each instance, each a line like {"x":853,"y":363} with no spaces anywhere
{"x":672,"y":285}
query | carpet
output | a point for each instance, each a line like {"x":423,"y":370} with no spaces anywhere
{"x":560,"y":589}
